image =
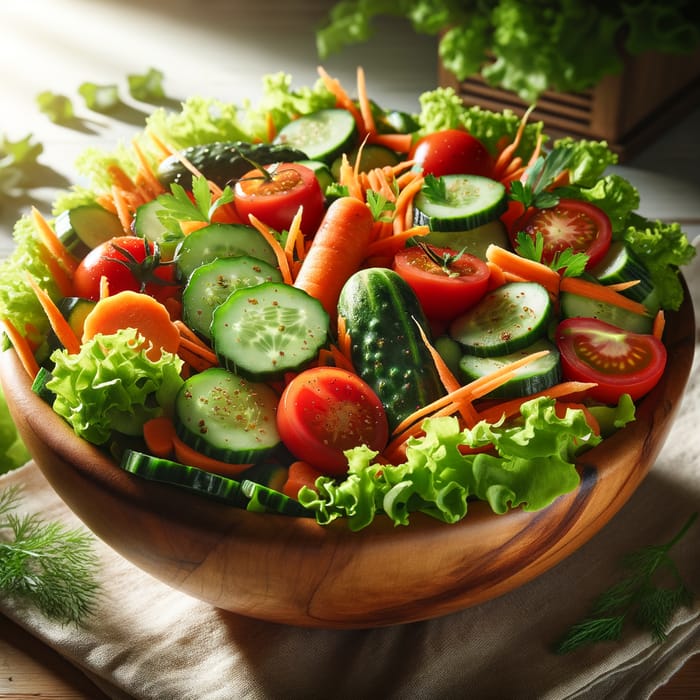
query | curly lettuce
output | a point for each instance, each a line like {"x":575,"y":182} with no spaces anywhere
{"x":13,"y":452}
{"x":530,"y":465}
{"x":112,"y":385}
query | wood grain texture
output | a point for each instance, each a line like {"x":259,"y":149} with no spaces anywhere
{"x":293,"y":571}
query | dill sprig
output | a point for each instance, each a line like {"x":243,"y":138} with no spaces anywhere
{"x":650,"y":595}
{"x":46,"y":564}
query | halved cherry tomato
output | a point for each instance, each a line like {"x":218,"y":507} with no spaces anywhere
{"x":275,"y":194}
{"x":446,"y":283}
{"x":451,"y":151}
{"x":572,"y":223}
{"x":326,"y":410}
{"x":128,"y":263}
{"x":619,"y":361}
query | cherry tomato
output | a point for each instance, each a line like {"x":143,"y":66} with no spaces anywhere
{"x":275,"y":195}
{"x":445,"y":282}
{"x":326,"y":410}
{"x":128,"y":263}
{"x":573,"y":224}
{"x":621,"y":362}
{"x":450,"y":152}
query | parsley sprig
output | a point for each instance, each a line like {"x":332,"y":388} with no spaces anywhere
{"x":650,"y":595}
{"x":540,"y":175}
{"x":46,"y":564}
{"x":566,"y":262}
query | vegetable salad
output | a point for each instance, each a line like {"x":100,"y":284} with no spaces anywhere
{"x":322,"y":307}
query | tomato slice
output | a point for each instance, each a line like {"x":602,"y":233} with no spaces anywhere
{"x":451,"y":152}
{"x":619,"y":361}
{"x":326,"y":410}
{"x":446,"y":283}
{"x":275,"y":195}
{"x":574,"y":224}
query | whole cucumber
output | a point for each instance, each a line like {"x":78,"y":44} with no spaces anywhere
{"x":381,"y":314}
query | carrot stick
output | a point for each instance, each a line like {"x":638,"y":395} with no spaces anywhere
{"x":401,"y":143}
{"x":389,"y":245}
{"x":336,"y":252}
{"x":278,"y":250}
{"x":496,"y":276}
{"x":364,"y":102}
{"x":295,"y":238}
{"x":187,"y":455}
{"x":123,"y":210}
{"x":159,"y":433}
{"x":154,"y":185}
{"x":52,"y":242}
{"x":63,"y":280}
{"x":599,"y":292}
{"x":104,"y":286}
{"x":129,"y":309}
{"x":207,"y":356}
{"x":22,"y":348}
{"x":120,"y":179}
{"x":622,"y":286}
{"x":659,"y":324}
{"x":188,"y":227}
{"x":57,"y":320}
{"x":530,"y":270}
{"x":507,"y":153}
{"x":341,"y":97}
{"x":448,"y":379}
{"x":511,"y":407}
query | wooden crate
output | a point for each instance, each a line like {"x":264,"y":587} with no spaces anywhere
{"x":627,"y":110}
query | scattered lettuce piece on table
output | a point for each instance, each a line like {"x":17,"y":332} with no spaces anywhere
{"x":58,"y":108}
{"x":13,"y":452}
{"x":15,"y":158}
{"x":112,"y":385}
{"x":148,"y":86}
{"x":533,"y":464}
{"x":100,"y":98}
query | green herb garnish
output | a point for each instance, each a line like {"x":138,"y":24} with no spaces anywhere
{"x":650,"y":595}
{"x":148,"y":86}
{"x":541,"y":175}
{"x":46,"y":564}
{"x":566,"y":262}
{"x":380,"y":206}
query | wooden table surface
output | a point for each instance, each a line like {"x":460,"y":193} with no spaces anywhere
{"x":40,"y":36}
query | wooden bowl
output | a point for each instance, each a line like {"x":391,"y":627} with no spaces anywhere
{"x":294,"y":571}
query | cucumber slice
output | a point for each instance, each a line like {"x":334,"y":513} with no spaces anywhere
{"x":241,"y":494}
{"x":573,"y":305}
{"x":147,"y":225}
{"x":224,"y":416}
{"x":212,"y":283}
{"x":322,"y":135}
{"x":474,"y":241}
{"x":468,"y":201}
{"x":371,"y":156}
{"x":85,"y":227}
{"x":321,"y":171}
{"x":268,"y":330}
{"x":507,"y":319}
{"x":537,"y":376}
{"x":620,"y":264}
{"x":39,"y":386}
{"x":221,"y":241}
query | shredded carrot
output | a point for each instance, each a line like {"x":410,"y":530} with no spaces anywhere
{"x":401,"y":143}
{"x":206,"y":355}
{"x":659,"y":324}
{"x":123,"y":209}
{"x":129,"y":309}
{"x":622,"y":286}
{"x":163,"y":147}
{"x":599,"y":292}
{"x":187,"y":455}
{"x":506,"y":155}
{"x":159,"y":433}
{"x":278,"y":250}
{"x":22,"y":348}
{"x":57,"y":320}
{"x":364,"y":102}
{"x":344,"y":342}
{"x":104,"y":287}
{"x":188,"y":227}
{"x":53,"y":243}
{"x":511,"y":407}
{"x":106,"y":202}
{"x":270,"y":127}
{"x":120,"y":179}
{"x":295,"y":238}
{"x":342,"y":98}
{"x":146,"y":171}
{"x":389,"y":245}
{"x":60,"y":276}
{"x":496,"y":276}
{"x":193,"y":361}
{"x":513,"y":264}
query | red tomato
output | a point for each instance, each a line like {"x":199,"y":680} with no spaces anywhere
{"x":128,"y":263}
{"x":573,"y":224}
{"x":450,"y":152}
{"x":275,"y":196}
{"x":300,"y":474}
{"x":326,"y":410}
{"x":621,"y":362}
{"x":445,"y":282}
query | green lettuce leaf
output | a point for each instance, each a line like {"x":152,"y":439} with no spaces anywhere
{"x":13,"y":452}
{"x":112,"y":385}
{"x":532,"y":463}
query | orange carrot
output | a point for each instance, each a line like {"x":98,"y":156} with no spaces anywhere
{"x":278,"y":250}
{"x":496,"y":276}
{"x":146,"y":171}
{"x":364,"y":102}
{"x":599,"y":292}
{"x":159,"y":434}
{"x":22,"y":348}
{"x":659,"y":324}
{"x":506,"y":155}
{"x":57,"y":320}
{"x":341,"y":97}
{"x":123,"y":208}
{"x":207,"y":356}
{"x":188,"y":227}
{"x":63,"y":280}
{"x":52,"y":242}
{"x":401,"y":143}
{"x":295,"y":238}
{"x":622,"y":286}
{"x":129,"y":309}
{"x":390,"y":245}
{"x":104,"y":286}
{"x":187,"y":455}
{"x":337,"y":251}
{"x":527,"y":269}
{"x":511,"y":407}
